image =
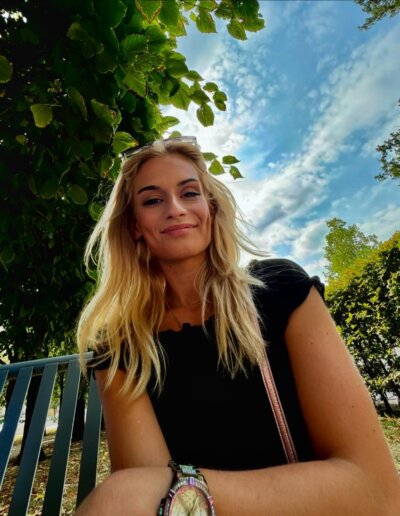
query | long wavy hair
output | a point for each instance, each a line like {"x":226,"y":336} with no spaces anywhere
{"x":122,"y":319}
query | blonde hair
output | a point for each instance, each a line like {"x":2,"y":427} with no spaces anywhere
{"x":123,"y":318}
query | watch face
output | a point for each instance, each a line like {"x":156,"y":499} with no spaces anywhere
{"x":189,"y":501}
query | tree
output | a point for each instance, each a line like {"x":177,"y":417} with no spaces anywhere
{"x":390,"y":149}
{"x":80,"y":83}
{"x":390,"y":157}
{"x":378,"y":9}
{"x":344,"y":245}
{"x":366,"y":307}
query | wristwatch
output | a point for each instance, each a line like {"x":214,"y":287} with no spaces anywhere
{"x":188,"y":494}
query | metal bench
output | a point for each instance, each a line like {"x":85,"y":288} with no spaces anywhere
{"x":47,"y":368}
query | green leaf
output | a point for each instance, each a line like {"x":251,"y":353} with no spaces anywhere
{"x":169,"y":14}
{"x":254,"y":25}
{"x":123,"y":141}
{"x":110,"y":13}
{"x":209,"y":156}
{"x":42,"y":114}
{"x":220,"y":96}
{"x":205,"y":115}
{"x":229,"y":160}
{"x":205,"y":22}
{"x":76,"y":98}
{"x":106,"y":61}
{"x":169,"y":121}
{"x":175,"y":134}
{"x":245,"y":9}
{"x":132,"y":45}
{"x":216,"y":168}
{"x":6,"y":70}
{"x":128,"y":102}
{"x":106,"y":163}
{"x":235,"y":29}
{"x":104,"y":112}
{"x":210,"y":5}
{"x":210,"y":86}
{"x":193,"y":76}
{"x":114,"y":170}
{"x":149,"y":9}
{"x":199,"y":97}
{"x":90,"y":46}
{"x":49,"y":188}
{"x":181,"y":99}
{"x":157,"y":40}
{"x":77,"y":194}
{"x":224,"y":10}
{"x":21,"y":138}
{"x":136,"y":82}
{"x":95,"y":210}
{"x":193,"y":17}
{"x":235,"y":173}
{"x":220,"y":105}
{"x":176,"y":68}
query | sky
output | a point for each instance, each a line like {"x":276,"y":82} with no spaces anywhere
{"x":309,"y":99}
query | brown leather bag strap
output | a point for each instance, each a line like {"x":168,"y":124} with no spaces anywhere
{"x":277,"y":410}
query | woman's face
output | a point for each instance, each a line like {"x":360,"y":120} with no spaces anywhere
{"x":171,"y":212}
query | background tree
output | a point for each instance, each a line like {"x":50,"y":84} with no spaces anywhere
{"x":366,"y":307}
{"x":390,"y":149}
{"x":345,"y":244}
{"x":378,"y":9}
{"x":390,"y":157}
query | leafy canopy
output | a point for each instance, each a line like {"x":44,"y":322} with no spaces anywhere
{"x":345,"y":245}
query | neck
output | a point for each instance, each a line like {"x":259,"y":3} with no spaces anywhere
{"x":181,"y":284}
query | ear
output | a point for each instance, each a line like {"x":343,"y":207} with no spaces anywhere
{"x":135,"y":231}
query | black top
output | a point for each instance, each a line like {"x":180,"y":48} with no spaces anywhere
{"x":213,"y":421}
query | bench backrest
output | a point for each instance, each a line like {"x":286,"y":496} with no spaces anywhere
{"x":47,"y":368}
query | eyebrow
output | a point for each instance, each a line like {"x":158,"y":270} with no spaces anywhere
{"x":154,"y":187}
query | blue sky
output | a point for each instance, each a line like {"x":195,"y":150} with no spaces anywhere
{"x":310,"y":97}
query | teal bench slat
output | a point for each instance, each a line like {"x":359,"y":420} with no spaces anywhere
{"x":12,"y":416}
{"x":62,"y":443}
{"x":90,"y":445}
{"x":23,"y":484}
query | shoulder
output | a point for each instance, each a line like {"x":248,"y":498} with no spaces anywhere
{"x":286,"y":284}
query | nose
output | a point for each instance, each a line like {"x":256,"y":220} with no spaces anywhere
{"x":174,"y":207}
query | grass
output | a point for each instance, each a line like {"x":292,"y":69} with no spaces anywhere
{"x":391,"y":428}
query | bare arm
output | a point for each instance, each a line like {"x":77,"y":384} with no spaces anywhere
{"x":354,"y":473}
{"x":133,"y":433}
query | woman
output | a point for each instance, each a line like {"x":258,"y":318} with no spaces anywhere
{"x":179,"y":329}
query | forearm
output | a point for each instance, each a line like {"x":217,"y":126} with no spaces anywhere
{"x":329,"y":487}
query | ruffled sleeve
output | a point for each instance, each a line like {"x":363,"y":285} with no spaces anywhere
{"x":286,"y":286}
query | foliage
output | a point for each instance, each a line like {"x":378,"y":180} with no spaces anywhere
{"x":390,"y":149}
{"x":80,"y":82}
{"x":378,"y":9}
{"x":344,"y":245}
{"x":366,"y":308}
{"x":390,"y":157}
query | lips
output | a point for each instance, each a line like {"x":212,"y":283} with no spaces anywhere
{"x":178,"y":227}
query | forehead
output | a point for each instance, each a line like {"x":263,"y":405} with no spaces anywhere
{"x":164,"y":170}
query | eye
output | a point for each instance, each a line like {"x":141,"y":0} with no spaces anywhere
{"x":191,"y":193}
{"x":152,"y":201}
